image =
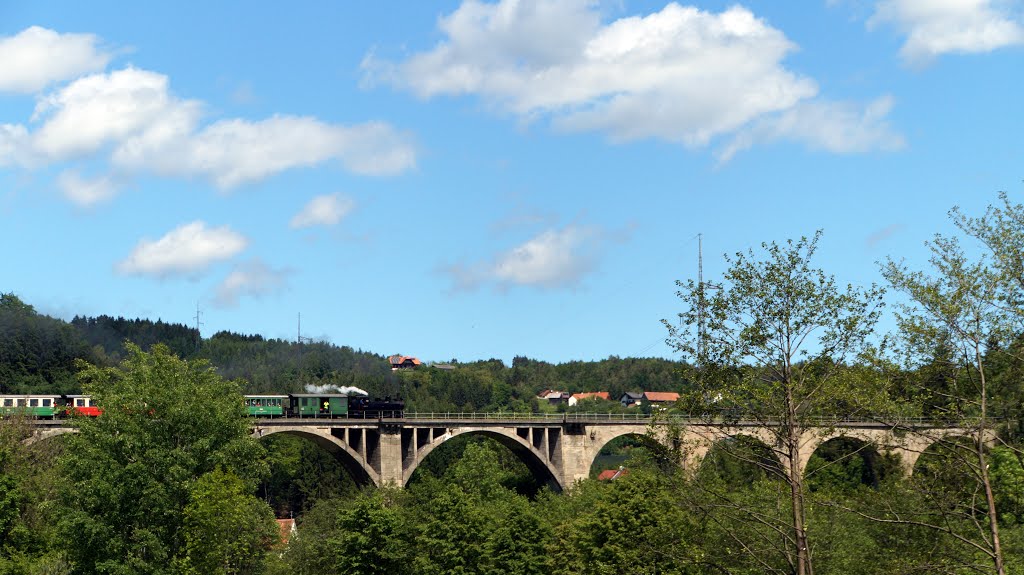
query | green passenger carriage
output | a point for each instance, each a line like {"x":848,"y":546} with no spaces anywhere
{"x":44,"y":406}
{"x":319,"y":404}
{"x":266,"y":405}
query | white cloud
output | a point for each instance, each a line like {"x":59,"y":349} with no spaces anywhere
{"x":128,"y":107}
{"x":86,"y":192}
{"x":681,"y":74}
{"x":841,"y":128}
{"x":325,"y":210}
{"x":235,"y":152}
{"x":187,"y":249}
{"x":936,"y":27}
{"x":37,"y":57}
{"x":552,"y":259}
{"x":253,"y":278}
{"x":132,"y":115}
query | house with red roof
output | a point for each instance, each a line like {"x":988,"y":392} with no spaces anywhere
{"x":404,"y":362}
{"x":578,"y":397}
{"x":661,"y":397}
{"x":287,"y":527}
{"x":612,"y":474}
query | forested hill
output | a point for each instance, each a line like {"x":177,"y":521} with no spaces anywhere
{"x":38,"y":353}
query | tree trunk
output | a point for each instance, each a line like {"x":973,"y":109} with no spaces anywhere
{"x":997,"y":552}
{"x":803,"y":552}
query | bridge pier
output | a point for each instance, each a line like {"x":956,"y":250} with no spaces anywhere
{"x":390,"y":462}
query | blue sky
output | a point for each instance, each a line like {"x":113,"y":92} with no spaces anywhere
{"x":478,"y":179}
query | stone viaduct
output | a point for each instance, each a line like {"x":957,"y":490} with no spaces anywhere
{"x":559,"y":450}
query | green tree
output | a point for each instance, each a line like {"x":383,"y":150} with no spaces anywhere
{"x":165,"y":423}
{"x":773,"y":345}
{"x":28,"y":492}
{"x":12,"y":498}
{"x":634,"y":524}
{"x":371,"y":537}
{"x":519,"y":543}
{"x":972,"y":305}
{"x":227,"y":531}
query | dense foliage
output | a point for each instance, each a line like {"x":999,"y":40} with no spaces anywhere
{"x":140,"y":481}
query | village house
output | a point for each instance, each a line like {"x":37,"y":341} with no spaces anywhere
{"x":664,"y":398}
{"x":555,"y":397}
{"x":578,"y":397}
{"x":631,"y":398}
{"x":287,"y":529}
{"x":403,"y":362}
{"x":612,"y":474}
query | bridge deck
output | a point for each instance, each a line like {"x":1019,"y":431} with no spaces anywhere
{"x":412,"y":419}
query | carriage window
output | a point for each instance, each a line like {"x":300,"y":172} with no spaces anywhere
{"x":8,"y":402}
{"x":33,"y":402}
{"x":79,"y":403}
{"x":46,"y":403}
{"x":21,"y":402}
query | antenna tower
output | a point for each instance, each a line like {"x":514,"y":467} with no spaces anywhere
{"x":199,"y":338}
{"x":700,"y":295}
{"x":701,"y":300}
{"x":299,"y":339}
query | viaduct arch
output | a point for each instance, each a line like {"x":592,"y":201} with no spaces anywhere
{"x":524,"y":445}
{"x":354,"y":456}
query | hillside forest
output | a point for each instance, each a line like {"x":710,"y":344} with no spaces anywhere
{"x":169,"y":480}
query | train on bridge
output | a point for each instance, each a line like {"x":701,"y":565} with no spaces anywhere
{"x":45,"y":406}
{"x":328,"y":405}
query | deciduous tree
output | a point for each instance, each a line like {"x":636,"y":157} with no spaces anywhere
{"x":772,"y":345}
{"x":973,"y":305}
{"x":227,"y":530}
{"x":165,"y":424}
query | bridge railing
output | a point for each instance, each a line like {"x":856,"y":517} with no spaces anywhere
{"x":531,"y":417}
{"x":680,"y":419}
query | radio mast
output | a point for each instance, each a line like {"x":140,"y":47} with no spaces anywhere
{"x":700,"y":296}
{"x":701,"y":299}
{"x":199,"y":338}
